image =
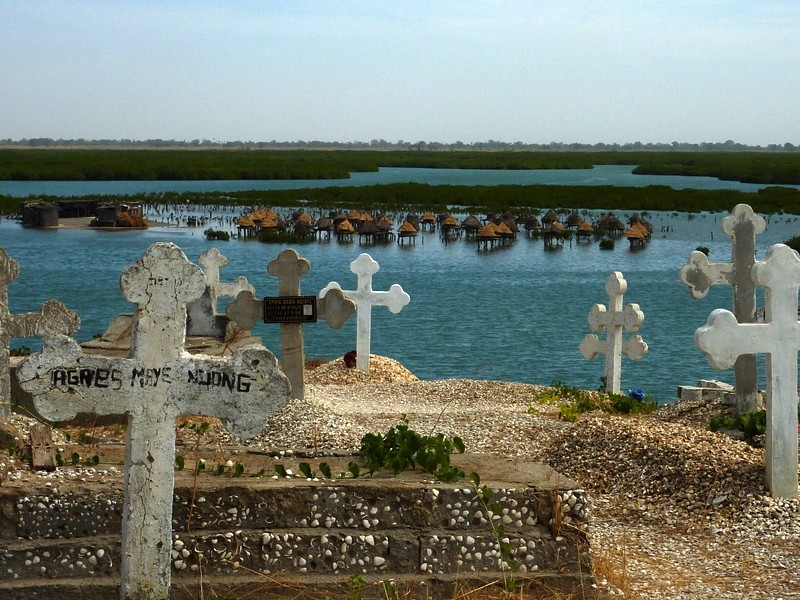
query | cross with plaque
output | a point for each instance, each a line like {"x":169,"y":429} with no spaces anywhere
{"x":54,"y":318}
{"x":742,"y":225}
{"x":158,"y":382}
{"x":723,"y":339}
{"x":291,"y":311}
{"x":203,"y":318}
{"x":613,"y":320}
{"x":365,"y":298}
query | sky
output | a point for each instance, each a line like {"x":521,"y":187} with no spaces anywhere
{"x":535,"y":71}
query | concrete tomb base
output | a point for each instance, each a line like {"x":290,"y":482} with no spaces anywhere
{"x":274,"y":537}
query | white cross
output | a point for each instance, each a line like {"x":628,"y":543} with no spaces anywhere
{"x":365,"y":298}
{"x":203,"y":318}
{"x":742,"y":225}
{"x":212,"y":260}
{"x":158,"y":382}
{"x":723,"y":339}
{"x":614,"y":320}
{"x":54,"y":318}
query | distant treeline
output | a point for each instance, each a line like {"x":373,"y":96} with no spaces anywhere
{"x":381,"y":144}
{"x":519,"y":199}
{"x":109,"y":165}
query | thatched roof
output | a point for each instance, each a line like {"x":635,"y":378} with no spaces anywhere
{"x":549,"y":217}
{"x":511,"y":223}
{"x":585,"y":227}
{"x":407,"y":228}
{"x":637,"y":231}
{"x":574,"y":219}
{"x":345,"y":227}
{"x":428,"y":217}
{"x":449,"y":221}
{"x":471,"y":222}
{"x":487,"y":231}
{"x":302,"y":228}
{"x":368,"y":228}
{"x":532,"y":223}
{"x":503,"y":230}
{"x":323,"y":223}
{"x":384,"y":221}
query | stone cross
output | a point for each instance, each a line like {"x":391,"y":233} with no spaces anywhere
{"x":742,"y":225}
{"x":203,"y":318}
{"x":334,"y":308}
{"x":365,"y":298}
{"x":614,"y":320}
{"x":54,"y":318}
{"x":723,"y":339}
{"x":158,"y":382}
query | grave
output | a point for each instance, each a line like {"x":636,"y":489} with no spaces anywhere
{"x":723,"y":339}
{"x":291,"y":310}
{"x":614,"y":320}
{"x":54,"y":318}
{"x":742,"y":225}
{"x":202,"y":316}
{"x":259,"y":537}
{"x":365,"y":298}
{"x":158,"y":382}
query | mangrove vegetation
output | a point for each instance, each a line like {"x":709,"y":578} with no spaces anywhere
{"x":518,"y":199}
{"x":99,"y":164}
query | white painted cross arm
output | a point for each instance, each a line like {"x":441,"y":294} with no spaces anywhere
{"x":631,"y":318}
{"x":699,"y":274}
{"x":591,"y":346}
{"x":239,"y":390}
{"x":723,"y":338}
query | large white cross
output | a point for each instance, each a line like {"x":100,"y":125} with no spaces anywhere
{"x":158,"y":382}
{"x":334,"y":308}
{"x":613,"y":320}
{"x":54,"y":318}
{"x":365,"y":298}
{"x":742,"y":225}
{"x":723,"y":339}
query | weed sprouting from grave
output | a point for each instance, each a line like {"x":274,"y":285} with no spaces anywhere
{"x":400,"y":449}
{"x":492,"y":509}
{"x":572,"y":402}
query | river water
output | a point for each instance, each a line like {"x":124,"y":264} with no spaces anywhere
{"x":517,"y":313}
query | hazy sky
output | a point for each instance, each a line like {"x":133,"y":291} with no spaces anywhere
{"x":534,"y":71}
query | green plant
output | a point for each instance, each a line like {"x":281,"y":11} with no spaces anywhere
{"x":355,"y":587}
{"x":750,"y":424}
{"x":20,"y":351}
{"x":403,"y":448}
{"x":484,"y":495}
{"x":606,"y":244}
{"x":213,"y":234}
{"x":703,"y":249}
{"x":581,"y":401}
{"x":400,"y":449}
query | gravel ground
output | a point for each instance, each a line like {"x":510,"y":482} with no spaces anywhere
{"x":678,"y":511}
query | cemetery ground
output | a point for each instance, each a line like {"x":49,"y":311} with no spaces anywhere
{"x":677,"y":511}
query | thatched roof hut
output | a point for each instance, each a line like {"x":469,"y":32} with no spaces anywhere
{"x":406,"y":231}
{"x":549,"y":218}
{"x":573,"y":220}
{"x":471,"y":225}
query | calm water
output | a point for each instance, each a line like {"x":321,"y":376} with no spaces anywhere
{"x":619,"y":175}
{"x":517,"y":313}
